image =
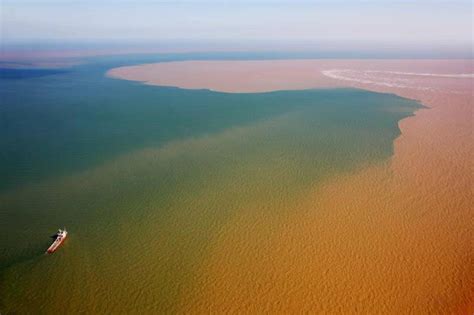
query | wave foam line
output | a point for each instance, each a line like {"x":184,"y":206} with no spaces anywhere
{"x":338,"y":75}
{"x":440,"y":75}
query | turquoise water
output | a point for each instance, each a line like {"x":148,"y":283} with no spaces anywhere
{"x":112,"y":159}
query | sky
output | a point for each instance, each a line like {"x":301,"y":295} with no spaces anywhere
{"x":399,"y":22}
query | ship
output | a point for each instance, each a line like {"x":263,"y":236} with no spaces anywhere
{"x":59,"y":238}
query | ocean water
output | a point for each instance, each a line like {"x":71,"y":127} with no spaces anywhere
{"x":144,"y":178}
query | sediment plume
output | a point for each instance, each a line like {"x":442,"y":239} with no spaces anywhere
{"x":390,"y":238}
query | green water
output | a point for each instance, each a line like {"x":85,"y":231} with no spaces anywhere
{"x":144,"y":178}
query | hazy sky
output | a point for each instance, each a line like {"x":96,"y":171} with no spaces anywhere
{"x":398,"y":21}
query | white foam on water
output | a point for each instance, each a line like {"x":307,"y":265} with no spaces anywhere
{"x":440,"y":75}
{"x":365,"y":78}
{"x":375,"y":77}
